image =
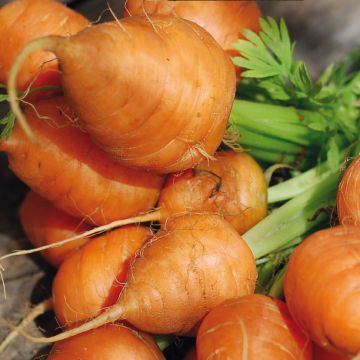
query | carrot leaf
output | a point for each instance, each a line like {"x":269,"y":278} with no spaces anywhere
{"x":328,"y":109}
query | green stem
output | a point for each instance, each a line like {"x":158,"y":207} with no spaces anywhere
{"x":252,"y":139}
{"x":163,"y":341}
{"x":294,"y":218}
{"x":276,"y":121}
{"x":272,"y":156}
{"x":301,"y":183}
{"x":277,"y":288}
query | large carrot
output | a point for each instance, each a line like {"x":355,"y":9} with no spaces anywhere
{"x":224,"y":20}
{"x":146,"y":103}
{"x":186,"y":270}
{"x":24,"y":20}
{"x":252,"y":327}
{"x":91,"y":279}
{"x":321,"y":288}
{"x":348,"y":196}
{"x":111,"y":342}
{"x":65,"y":167}
{"x":44,"y":224}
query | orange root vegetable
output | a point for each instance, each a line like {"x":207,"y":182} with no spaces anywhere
{"x":111,"y":342}
{"x":91,"y":279}
{"x":66,"y":168}
{"x":24,"y":20}
{"x":171,"y":106}
{"x":348,"y":197}
{"x":252,"y":327}
{"x":44,"y":224}
{"x":224,"y":20}
{"x":198,"y":262}
{"x":321,"y":286}
{"x":233,"y":186}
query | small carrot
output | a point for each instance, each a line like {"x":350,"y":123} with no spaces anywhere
{"x":110,"y":342}
{"x":66,"y":168}
{"x":233,"y":185}
{"x":171,"y":106}
{"x":252,"y":327}
{"x":321,"y":288}
{"x":44,"y":224}
{"x":24,"y":20}
{"x":91,"y":279}
{"x":348,"y":196}
{"x":209,"y":264}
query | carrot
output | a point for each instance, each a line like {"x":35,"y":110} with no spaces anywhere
{"x":224,"y":20}
{"x":24,"y":20}
{"x":321,"y":288}
{"x":66,"y":168}
{"x":233,"y":185}
{"x":171,"y":107}
{"x":44,"y":224}
{"x":251,"y":327}
{"x":91,"y":279}
{"x":187,"y":269}
{"x":348,"y":196}
{"x":111,"y":342}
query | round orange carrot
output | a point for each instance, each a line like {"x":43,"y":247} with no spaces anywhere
{"x":146,"y":103}
{"x":111,"y":342}
{"x":24,"y":20}
{"x":252,"y":327}
{"x":91,"y":279}
{"x":348,"y":196}
{"x":187,"y":269}
{"x":66,"y":168}
{"x":44,"y":224}
{"x":321,"y":288}
{"x":224,"y":20}
{"x":233,"y":185}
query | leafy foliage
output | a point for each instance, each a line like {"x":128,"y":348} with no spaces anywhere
{"x":329,"y":105}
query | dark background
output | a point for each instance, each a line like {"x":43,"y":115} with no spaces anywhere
{"x":325,"y":30}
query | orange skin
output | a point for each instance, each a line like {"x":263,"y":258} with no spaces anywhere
{"x":321,"y":288}
{"x":92,"y":278}
{"x":166,"y":123}
{"x":191,"y":266}
{"x":251,"y":327}
{"x":348,"y":196}
{"x":224,"y":20}
{"x":66,"y":168}
{"x":24,"y":20}
{"x":111,"y":342}
{"x":233,"y":186}
{"x":44,"y":224}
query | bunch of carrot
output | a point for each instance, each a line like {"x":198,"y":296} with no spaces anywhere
{"x":143,"y":111}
